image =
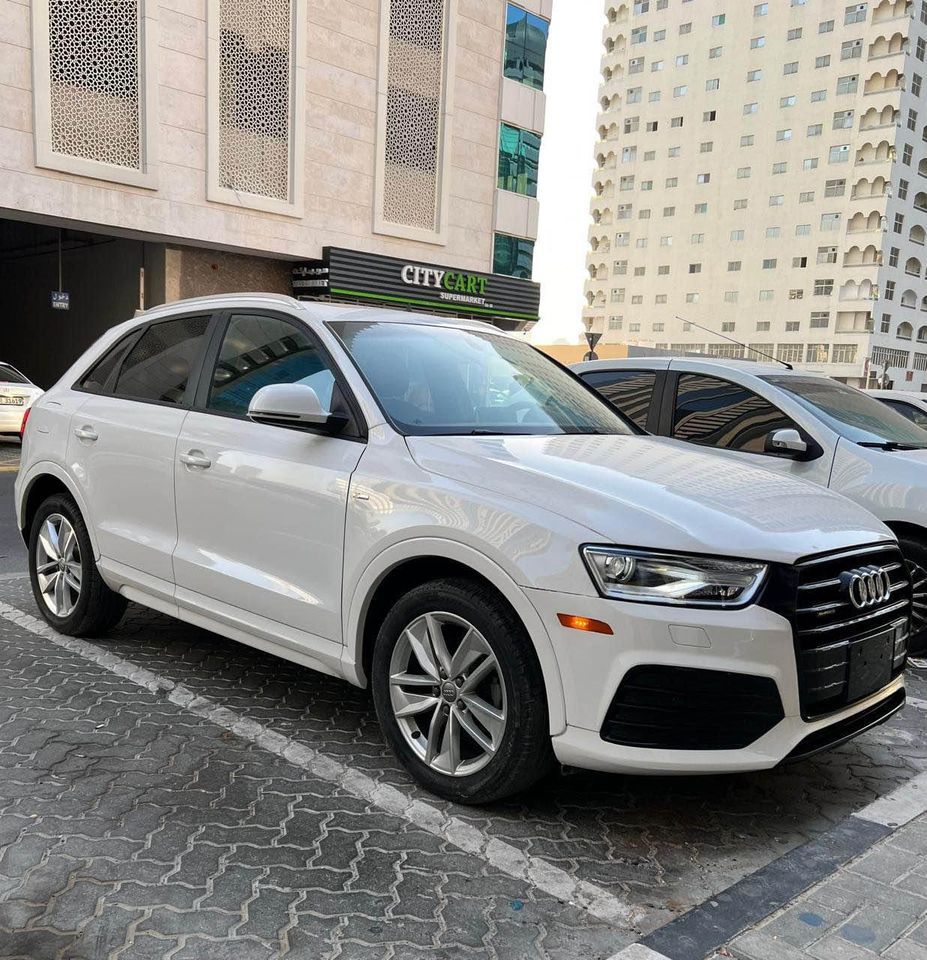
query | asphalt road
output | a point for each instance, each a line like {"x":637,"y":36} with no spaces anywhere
{"x":12,"y":551}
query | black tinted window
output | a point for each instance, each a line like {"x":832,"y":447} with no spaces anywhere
{"x":98,"y":375}
{"x":10,"y":374}
{"x":631,"y":391}
{"x":259,"y":350}
{"x":158,"y":367}
{"x":907,"y":410}
{"x":723,"y":414}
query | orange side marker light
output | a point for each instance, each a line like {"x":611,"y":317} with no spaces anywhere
{"x":584,"y":623}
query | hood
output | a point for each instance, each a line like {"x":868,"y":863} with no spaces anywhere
{"x":652,"y":493}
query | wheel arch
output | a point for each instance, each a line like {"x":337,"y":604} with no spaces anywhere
{"x":416,"y":561}
{"x":903,"y":528}
{"x":44,"y":480}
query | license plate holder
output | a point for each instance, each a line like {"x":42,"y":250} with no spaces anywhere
{"x":11,"y":401}
{"x":870,"y":664}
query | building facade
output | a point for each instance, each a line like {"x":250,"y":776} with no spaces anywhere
{"x":158,"y":149}
{"x":762,"y":172}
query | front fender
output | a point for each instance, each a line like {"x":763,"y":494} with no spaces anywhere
{"x":357,"y":606}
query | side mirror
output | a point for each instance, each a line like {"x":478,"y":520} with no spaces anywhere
{"x":786,"y":443}
{"x":296,"y":406}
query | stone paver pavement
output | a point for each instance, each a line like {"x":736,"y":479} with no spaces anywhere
{"x":874,"y":907}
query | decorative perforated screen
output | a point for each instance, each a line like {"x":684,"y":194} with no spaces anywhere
{"x":255,"y":96}
{"x":415,"y":95}
{"x":94,"y":80}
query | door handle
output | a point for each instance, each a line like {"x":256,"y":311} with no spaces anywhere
{"x":86,"y":433}
{"x":195,"y":458}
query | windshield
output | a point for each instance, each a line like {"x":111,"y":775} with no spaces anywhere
{"x":850,"y":412}
{"x":10,"y":374}
{"x":433,"y":380}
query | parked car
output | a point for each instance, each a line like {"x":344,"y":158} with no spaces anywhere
{"x":17,"y":394}
{"x":439,"y":510}
{"x":906,"y":402}
{"x":795,"y":423}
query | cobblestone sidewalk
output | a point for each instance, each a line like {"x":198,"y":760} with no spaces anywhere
{"x":875,"y":906}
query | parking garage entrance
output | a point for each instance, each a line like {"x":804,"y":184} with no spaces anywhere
{"x":60,"y":288}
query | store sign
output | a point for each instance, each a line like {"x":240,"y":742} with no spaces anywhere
{"x":352,"y":275}
{"x":60,"y":300}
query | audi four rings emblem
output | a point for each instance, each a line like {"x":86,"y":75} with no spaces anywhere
{"x":868,"y":587}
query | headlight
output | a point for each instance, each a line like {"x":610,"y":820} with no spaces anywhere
{"x":679,"y":580}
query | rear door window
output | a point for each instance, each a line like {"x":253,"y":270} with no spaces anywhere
{"x":630,"y":391}
{"x":722,"y":414}
{"x":159,"y":366}
{"x":97,"y":377}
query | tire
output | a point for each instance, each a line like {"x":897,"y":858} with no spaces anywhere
{"x":497,"y":668}
{"x":91,"y":607}
{"x":915,"y":553}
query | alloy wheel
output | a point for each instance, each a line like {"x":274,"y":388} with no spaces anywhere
{"x":57,"y":560}
{"x":918,"y":598}
{"x":447,"y":694}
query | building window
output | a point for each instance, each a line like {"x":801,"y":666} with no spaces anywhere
{"x":737,"y":236}
{"x":760,"y":9}
{"x":794,"y":34}
{"x":788,"y":101}
{"x":851,"y":49}
{"x":414,"y":133}
{"x":512,"y":256}
{"x":695,"y":268}
{"x":754,"y":75}
{"x":703,"y":178}
{"x":730,"y":296}
{"x":830,"y":221}
{"x":839,"y":154}
{"x":773,"y":233}
{"x":823,"y":288}
{"x":856,"y":13}
{"x":796,"y":293}
{"x":713,"y":84}
{"x":93,"y":114}
{"x":826,"y":26}
{"x":815,"y":129}
{"x":802,"y":229}
{"x":718,"y":20}
{"x":757,"y":42}
{"x":843,"y":120}
{"x":847,"y":84}
{"x":806,"y":196}
{"x":817,"y":352}
{"x":733,"y":266}
{"x":780,"y":167}
{"x":820,"y":319}
{"x":519,"y":151}
{"x":769,"y":263}
{"x":799,"y":263}
{"x":844,"y":353}
{"x":792,"y":326}
{"x":821,"y":62}
{"x":767,"y":295}
{"x":776,"y":200}
{"x":743,"y":173}
{"x":835,"y":188}
{"x":525,"y":46}
{"x":790,"y":68}
{"x":809,"y":163}
{"x":714,"y":53}
{"x":790,"y":352}
{"x":817,"y":96}
{"x":750,"y":108}
{"x":740,"y":203}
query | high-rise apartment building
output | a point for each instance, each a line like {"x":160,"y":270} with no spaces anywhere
{"x":762,"y":171}
{"x":365,"y":150}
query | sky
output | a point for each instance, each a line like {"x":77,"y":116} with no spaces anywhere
{"x":571,"y":83}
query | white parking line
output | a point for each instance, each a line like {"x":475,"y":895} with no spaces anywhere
{"x":637,"y":951}
{"x":536,"y":871}
{"x":900,"y":806}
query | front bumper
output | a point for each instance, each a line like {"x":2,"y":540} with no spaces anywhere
{"x":754,"y":641}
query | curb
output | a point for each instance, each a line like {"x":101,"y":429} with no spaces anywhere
{"x":700,"y":932}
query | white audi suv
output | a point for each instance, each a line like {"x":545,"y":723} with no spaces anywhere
{"x":438,"y":510}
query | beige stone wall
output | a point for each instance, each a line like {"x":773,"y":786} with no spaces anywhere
{"x":341,"y":60}
{"x":194,"y":272}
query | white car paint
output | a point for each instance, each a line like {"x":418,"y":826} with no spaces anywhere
{"x":17,"y":394}
{"x":892,"y":484}
{"x":282,"y":540}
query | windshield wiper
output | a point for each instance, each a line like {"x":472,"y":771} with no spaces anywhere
{"x":891,"y":445}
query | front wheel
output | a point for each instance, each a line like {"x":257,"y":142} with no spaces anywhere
{"x":459,"y":692}
{"x":67,"y":586}
{"x":915,"y":554}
